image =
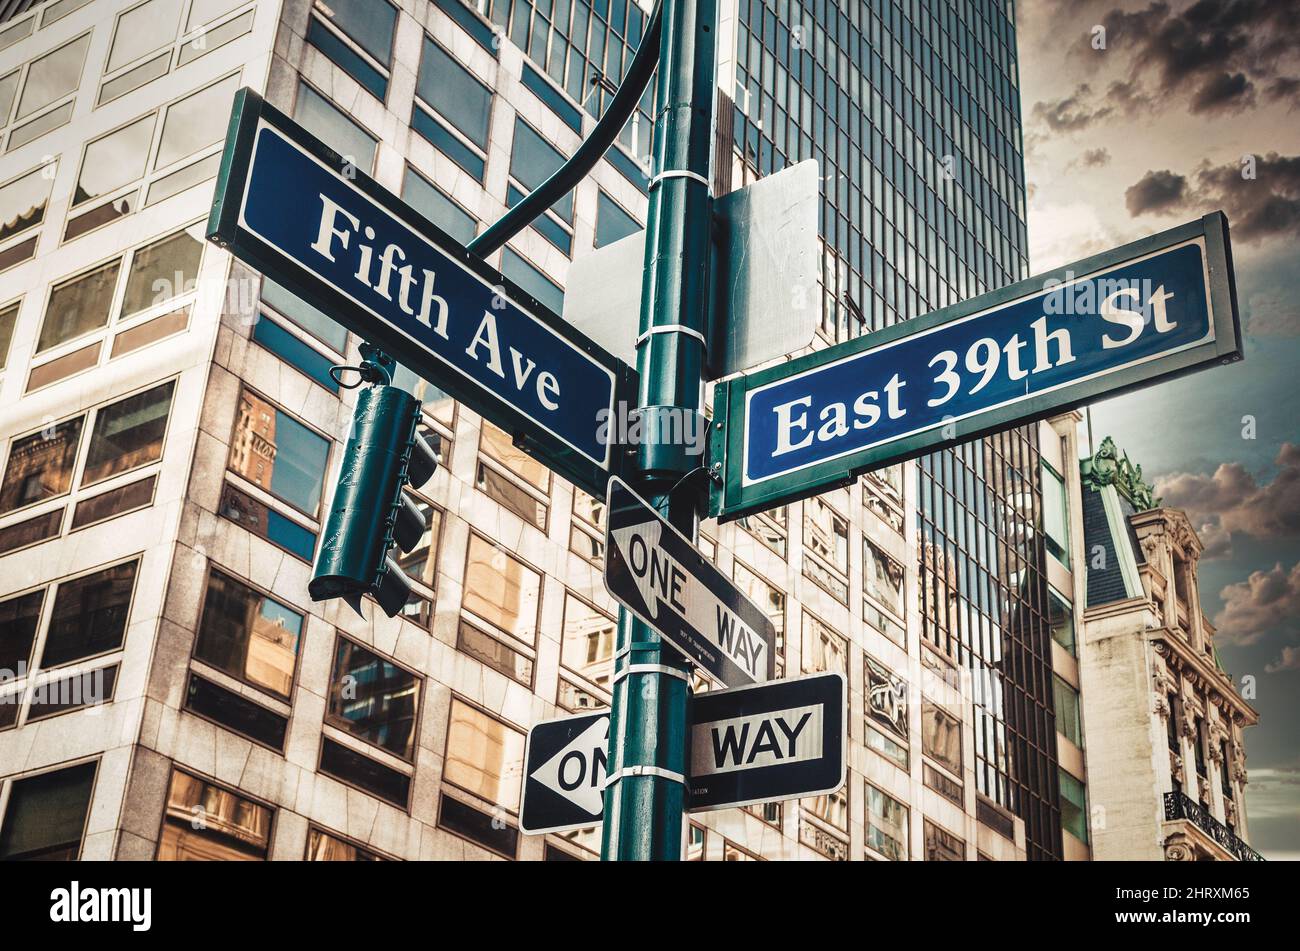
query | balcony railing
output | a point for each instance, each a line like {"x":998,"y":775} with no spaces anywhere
{"x":1181,"y":806}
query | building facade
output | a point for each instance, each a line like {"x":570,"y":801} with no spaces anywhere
{"x":1166,"y":752}
{"x":171,"y":432}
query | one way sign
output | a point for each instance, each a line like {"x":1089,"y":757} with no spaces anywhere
{"x":564,"y":773}
{"x":655,"y":572}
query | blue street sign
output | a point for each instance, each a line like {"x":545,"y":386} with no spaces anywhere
{"x":299,"y":212}
{"x":1123,"y":319}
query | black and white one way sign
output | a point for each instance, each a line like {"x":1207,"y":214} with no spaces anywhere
{"x":564,"y":773}
{"x":767,"y":743}
{"x":658,"y":575}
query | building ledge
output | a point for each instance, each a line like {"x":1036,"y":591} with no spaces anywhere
{"x":1192,"y":834}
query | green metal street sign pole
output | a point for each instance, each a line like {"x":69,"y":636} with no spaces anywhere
{"x":646,"y":792}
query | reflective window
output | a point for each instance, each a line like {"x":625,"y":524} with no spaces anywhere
{"x":46,"y":815}
{"x":497,"y":445}
{"x":369,"y":23}
{"x":128,"y":434}
{"x":23,"y":201}
{"x":896,"y":753}
{"x":314,"y":321}
{"x":53,"y":76}
{"x":501,"y":590}
{"x":1069,"y":721}
{"x":248,"y":635}
{"x":457,"y":96}
{"x":1074,"y":806}
{"x":823,"y":648}
{"x":89,"y":615}
{"x":40,"y":465}
{"x":196,"y":122}
{"x":533,"y":281}
{"x":205,"y":822}
{"x":374,"y":699}
{"x":115,"y":159}
{"x":421,"y":564}
{"x":942,"y":846}
{"x":323,"y":847}
{"x":1056,"y":520}
{"x":770,"y":600}
{"x":161,"y":271}
{"x":78,"y":306}
{"x":887,"y":698}
{"x":533,"y":160}
{"x":882,"y":577}
{"x":1060,"y":616}
{"x":484,"y":756}
{"x":143,"y":29}
{"x":587,"y":641}
{"x":438,"y":208}
{"x":274,"y":451}
{"x":329,"y":124}
{"x":19,"y":618}
{"x":612,"y":222}
{"x":941,"y":736}
{"x":887,"y":825}
{"x":205,"y":11}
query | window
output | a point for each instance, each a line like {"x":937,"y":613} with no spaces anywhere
{"x":333,"y":127}
{"x":532,"y":161}
{"x":1056,"y":522}
{"x":450,"y":88}
{"x":365,"y":773}
{"x":161,"y":271}
{"x":896,"y":753}
{"x":128,"y":434}
{"x":19,"y":618}
{"x":429,"y":201}
{"x":142,"y":30}
{"x":887,"y":825}
{"x":826,"y":546}
{"x":366,"y":54}
{"x":374,"y":699}
{"x":612,"y":222}
{"x":887,"y":698}
{"x":206,"y":822}
{"x":501,"y":590}
{"x":298,"y":312}
{"x":823,"y":648}
{"x":882,"y":577}
{"x":23,"y":201}
{"x":462,"y":102}
{"x":941,"y":736}
{"x":78,"y":306}
{"x":46,"y":815}
{"x":942,"y":846}
{"x":770,"y":600}
{"x":511,"y":477}
{"x":1074,"y":806}
{"x":484,"y":756}
{"x":323,"y":847}
{"x":114,"y":160}
{"x":420,"y":565}
{"x":587,"y":531}
{"x":1060,"y":616}
{"x":278,"y":454}
{"x":40,"y":465}
{"x":587,"y":641}
{"x":769,"y":528}
{"x":249,"y":635}
{"x":52,"y":77}
{"x":89,"y":615}
{"x":533,"y":281}
{"x":1069,"y":721}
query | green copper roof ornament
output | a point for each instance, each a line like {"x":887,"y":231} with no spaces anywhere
{"x":1110,"y":467}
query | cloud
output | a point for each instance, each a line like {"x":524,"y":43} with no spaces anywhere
{"x":1156,"y":192}
{"x":1232,"y":500}
{"x":1282,"y":88}
{"x":1095,"y":158}
{"x":1289,"y":660}
{"x":1264,"y":601}
{"x":1259,"y":194}
{"x":1071,"y":114}
{"x":1224,"y":92}
{"x":1272,"y":315}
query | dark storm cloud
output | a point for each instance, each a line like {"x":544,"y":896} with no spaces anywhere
{"x":1284,"y":88}
{"x":1264,"y":601}
{"x":1224,"y":92}
{"x":1259,"y":194}
{"x":1159,"y":192}
{"x":1071,"y":114}
{"x":1214,"y":53}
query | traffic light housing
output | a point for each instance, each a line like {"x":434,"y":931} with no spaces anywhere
{"x":371,"y":511}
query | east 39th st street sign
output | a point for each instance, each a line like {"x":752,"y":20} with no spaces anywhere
{"x":1147,"y":311}
{"x":289,"y":205}
{"x":658,"y":575}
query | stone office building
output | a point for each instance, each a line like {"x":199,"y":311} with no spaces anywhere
{"x":170,"y":433}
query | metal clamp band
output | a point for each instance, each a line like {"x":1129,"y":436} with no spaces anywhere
{"x":652,"y":669}
{"x":680,"y":173}
{"x":638,"y":646}
{"x":645,"y":771}
{"x":673,"y":329}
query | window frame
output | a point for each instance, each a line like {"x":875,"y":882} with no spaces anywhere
{"x":338,"y":724}
{"x":7,"y":784}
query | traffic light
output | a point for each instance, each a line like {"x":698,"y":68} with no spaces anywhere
{"x":371,"y":511}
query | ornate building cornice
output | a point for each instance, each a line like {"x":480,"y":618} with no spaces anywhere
{"x":1110,"y":467}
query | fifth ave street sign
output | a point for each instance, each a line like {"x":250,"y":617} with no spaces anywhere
{"x":293,"y":208}
{"x":1150,"y":310}
{"x":657,"y":574}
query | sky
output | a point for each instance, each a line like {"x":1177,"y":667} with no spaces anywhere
{"x":1140,"y":116}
